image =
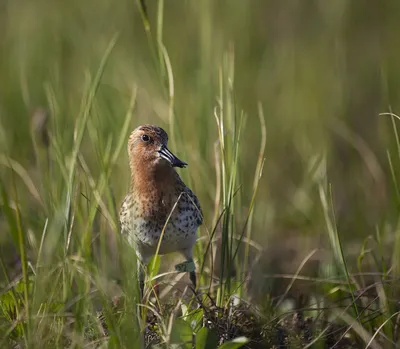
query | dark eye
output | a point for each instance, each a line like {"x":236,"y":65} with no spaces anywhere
{"x":145,"y":138}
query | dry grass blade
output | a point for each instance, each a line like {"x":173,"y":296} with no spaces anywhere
{"x":23,"y":174}
{"x":295,"y":276}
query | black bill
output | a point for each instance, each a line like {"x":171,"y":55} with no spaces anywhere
{"x":171,"y":158}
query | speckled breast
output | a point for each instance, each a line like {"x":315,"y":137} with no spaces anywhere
{"x":179,"y":232}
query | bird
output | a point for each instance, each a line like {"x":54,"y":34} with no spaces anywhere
{"x":158,"y":205}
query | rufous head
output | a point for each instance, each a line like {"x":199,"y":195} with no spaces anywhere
{"x":147,"y":145}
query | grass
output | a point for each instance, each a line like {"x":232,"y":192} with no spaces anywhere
{"x":293,"y":151}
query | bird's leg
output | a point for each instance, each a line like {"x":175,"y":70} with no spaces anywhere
{"x":141,"y":278}
{"x":192,"y":276}
{"x":188,"y":266}
{"x":141,"y":265}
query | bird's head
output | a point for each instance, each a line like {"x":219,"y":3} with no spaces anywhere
{"x":147,"y":145}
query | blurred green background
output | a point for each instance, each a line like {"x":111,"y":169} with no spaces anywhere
{"x":322,"y":71}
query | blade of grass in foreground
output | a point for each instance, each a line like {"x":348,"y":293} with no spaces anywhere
{"x":24,"y":261}
{"x":80,"y":128}
{"x":229,"y":144}
{"x":87,"y":106}
{"x":396,"y":251}
{"x":335,"y":241}
{"x":14,"y":224}
{"x":257,"y":176}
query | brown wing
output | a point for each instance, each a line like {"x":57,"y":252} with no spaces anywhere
{"x":195,"y":201}
{"x":124,"y":214}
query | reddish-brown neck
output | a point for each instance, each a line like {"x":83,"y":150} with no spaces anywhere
{"x":150,"y":178}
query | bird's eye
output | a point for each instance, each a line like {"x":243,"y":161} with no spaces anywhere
{"x":145,"y":138}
